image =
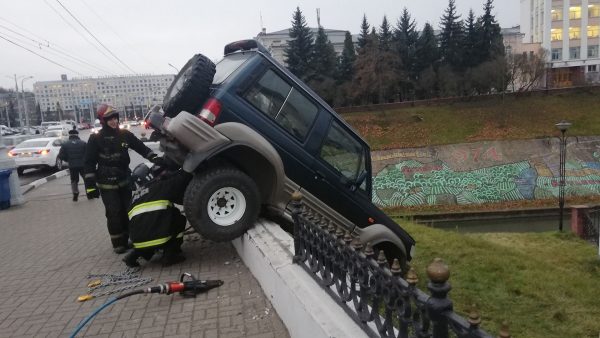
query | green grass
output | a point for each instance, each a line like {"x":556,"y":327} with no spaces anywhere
{"x":542,"y":284}
{"x":485,"y":119}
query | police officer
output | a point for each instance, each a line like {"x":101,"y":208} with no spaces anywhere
{"x":154,"y":221}
{"x":107,"y":172}
{"x":73,"y":152}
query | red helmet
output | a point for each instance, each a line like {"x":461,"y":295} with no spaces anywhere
{"x":106,"y":112}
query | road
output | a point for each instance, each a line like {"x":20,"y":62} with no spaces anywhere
{"x":31,"y":175}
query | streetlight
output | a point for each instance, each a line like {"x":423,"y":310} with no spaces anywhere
{"x":562,"y":126}
{"x":177,"y":70}
{"x":25,"y":103}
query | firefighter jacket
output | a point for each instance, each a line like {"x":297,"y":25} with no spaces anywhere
{"x":107,"y":157}
{"x":73,"y":151}
{"x":153,"y":219}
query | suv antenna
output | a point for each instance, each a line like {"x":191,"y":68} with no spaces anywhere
{"x":262,"y":26}
{"x":318,"y":18}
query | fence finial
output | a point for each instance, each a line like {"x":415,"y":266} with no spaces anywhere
{"x":396,"y":270}
{"x":438,"y":271}
{"x":504,"y":333}
{"x":381,"y":259}
{"x":474,"y":316}
{"x":412,"y":277}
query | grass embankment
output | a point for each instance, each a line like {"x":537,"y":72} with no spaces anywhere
{"x":487,"y":119}
{"x":542,"y":284}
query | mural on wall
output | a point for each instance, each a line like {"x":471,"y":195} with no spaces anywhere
{"x":483,"y":172}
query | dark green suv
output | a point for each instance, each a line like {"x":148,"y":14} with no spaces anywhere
{"x":253,"y":133}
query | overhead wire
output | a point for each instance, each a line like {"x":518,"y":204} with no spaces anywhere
{"x":52,"y":45}
{"x":80,"y":33}
{"x":43,"y":57}
{"x":106,"y":24}
{"x":46,"y":47}
{"x":95,"y":38}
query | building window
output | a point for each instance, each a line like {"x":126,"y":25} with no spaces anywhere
{"x":556,"y":34}
{"x":574,"y":52}
{"x":556,"y":13}
{"x":556,"y":53}
{"x":575,"y":12}
{"x":593,"y":11}
{"x":593,"y":51}
{"x":593,"y":31}
{"x":574,"y":33}
{"x":508,"y":50}
{"x":592,"y":68}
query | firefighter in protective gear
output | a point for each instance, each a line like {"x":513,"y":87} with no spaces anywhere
{"x":154,"y":221}
{"x":107,"y":173}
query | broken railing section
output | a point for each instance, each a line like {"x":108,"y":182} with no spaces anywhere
{"x":373,"y":293}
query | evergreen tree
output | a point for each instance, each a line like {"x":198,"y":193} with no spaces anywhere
{"x":323,"y":66}
{"x":490,"y":43}
{"x":405,"y":41}
{"x":451,"y":37}
{"x":347,"y":59}
{"x":385,"y":35}
{"x":364,"y":34}
{"x":471,"y":55}
{"x":427,"y":52}
{"x":38,"y":113}
{"x":299,"y":49}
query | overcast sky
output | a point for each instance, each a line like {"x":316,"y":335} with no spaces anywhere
{"x":144,"y":36}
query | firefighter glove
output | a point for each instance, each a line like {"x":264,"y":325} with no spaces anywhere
{"x":91,"y":189}
{"x":159,"y":161}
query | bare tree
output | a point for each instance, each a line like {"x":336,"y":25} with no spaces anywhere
{"x":527,"y":70}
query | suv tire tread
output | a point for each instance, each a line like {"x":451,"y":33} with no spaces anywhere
{"x":194,"y":90}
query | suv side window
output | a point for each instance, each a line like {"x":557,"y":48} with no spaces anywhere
{"x":282,"y":102}
{"x":344,"y":153}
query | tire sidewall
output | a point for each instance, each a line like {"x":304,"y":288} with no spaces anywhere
{"x":203,"y":186}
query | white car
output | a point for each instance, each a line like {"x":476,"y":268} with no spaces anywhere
{"x":37,"y":153}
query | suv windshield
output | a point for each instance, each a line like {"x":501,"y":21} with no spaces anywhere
{"x":228,"y":65}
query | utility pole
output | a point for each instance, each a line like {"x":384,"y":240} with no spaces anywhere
{"x":25,"y":102}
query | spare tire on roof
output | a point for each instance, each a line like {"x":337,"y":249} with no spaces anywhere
{"x":191,"y":86}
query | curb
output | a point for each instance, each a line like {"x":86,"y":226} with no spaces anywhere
{"x":28,"y":187}
{"x":304,"y":307}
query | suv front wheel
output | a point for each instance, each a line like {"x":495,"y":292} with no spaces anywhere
{"x":221,"y":203}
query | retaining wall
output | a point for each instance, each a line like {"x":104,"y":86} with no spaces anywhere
{"x":483,"y":172}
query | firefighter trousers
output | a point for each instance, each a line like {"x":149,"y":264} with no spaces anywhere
{"x":116,"y":202}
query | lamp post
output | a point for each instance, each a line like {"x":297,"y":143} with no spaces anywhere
{"x":562,"y":126}
{"x":176,"y":70}
{"x":25,"y":102}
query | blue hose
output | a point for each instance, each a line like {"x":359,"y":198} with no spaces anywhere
{"x":88,"y":318}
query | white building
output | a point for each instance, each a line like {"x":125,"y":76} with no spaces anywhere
{"x":276,"y":42}
{"x":570,"y":31}
{"x":129,"y":93}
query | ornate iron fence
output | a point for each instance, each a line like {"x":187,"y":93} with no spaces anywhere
{"x":591,"y":225}
{"x":373,"y":293}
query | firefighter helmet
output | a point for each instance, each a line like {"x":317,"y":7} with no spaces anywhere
{"x":106,"y":112}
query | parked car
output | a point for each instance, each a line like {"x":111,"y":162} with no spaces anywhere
{"x":83,"y":125}
{"x":47,"y":124}
{"x":97,"y":127}
{"x":254,"y":133}
{"x":37,"y":153}
{"x":11,"y":141}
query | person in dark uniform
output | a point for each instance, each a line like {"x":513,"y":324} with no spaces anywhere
{"x":73,"y":152}
{"x":107,"y":173}
{"x":154,"y":221}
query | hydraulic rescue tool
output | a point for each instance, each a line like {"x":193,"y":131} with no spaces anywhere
{"x":187,"y":287}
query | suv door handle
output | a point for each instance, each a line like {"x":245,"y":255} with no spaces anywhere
{"x":319,"y":175}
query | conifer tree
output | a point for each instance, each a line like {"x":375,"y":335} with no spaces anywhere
{"x":427,"y":52}
{"x":299,"y":49}
{"x":471,"y":55}
{"x":490,"y":43}
{"x":347,"y":59}
{"x":451,"y":37}
{"x":323,"y":66}
{"x":364,"y":34}
{"x":385,"y":35}
{"x":405,"y":38}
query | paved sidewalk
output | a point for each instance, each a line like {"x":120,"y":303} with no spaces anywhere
{"x":50,"y":244}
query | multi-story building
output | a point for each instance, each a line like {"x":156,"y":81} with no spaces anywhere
{"x":133,"y":94}
{"x":570,"y":31}
{"x":276,"y":42}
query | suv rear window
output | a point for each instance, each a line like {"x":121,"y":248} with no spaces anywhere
{"x":228,"y":65}
{"x":283,"y":103}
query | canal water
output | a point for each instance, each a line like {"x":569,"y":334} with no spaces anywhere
{"x":534,"y":223}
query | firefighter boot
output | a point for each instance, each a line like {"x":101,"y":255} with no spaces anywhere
{"x":131,"y":259}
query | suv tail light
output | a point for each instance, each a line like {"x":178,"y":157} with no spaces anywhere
{"x":210,"y":111}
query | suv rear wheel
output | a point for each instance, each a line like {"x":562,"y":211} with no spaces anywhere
{"x":190,"y":88}
{"x":221,"y":203}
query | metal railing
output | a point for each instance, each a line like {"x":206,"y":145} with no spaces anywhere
{"x":373,"y":293}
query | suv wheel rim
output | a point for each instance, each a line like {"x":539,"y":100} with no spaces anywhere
{"x":226,"y":206}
